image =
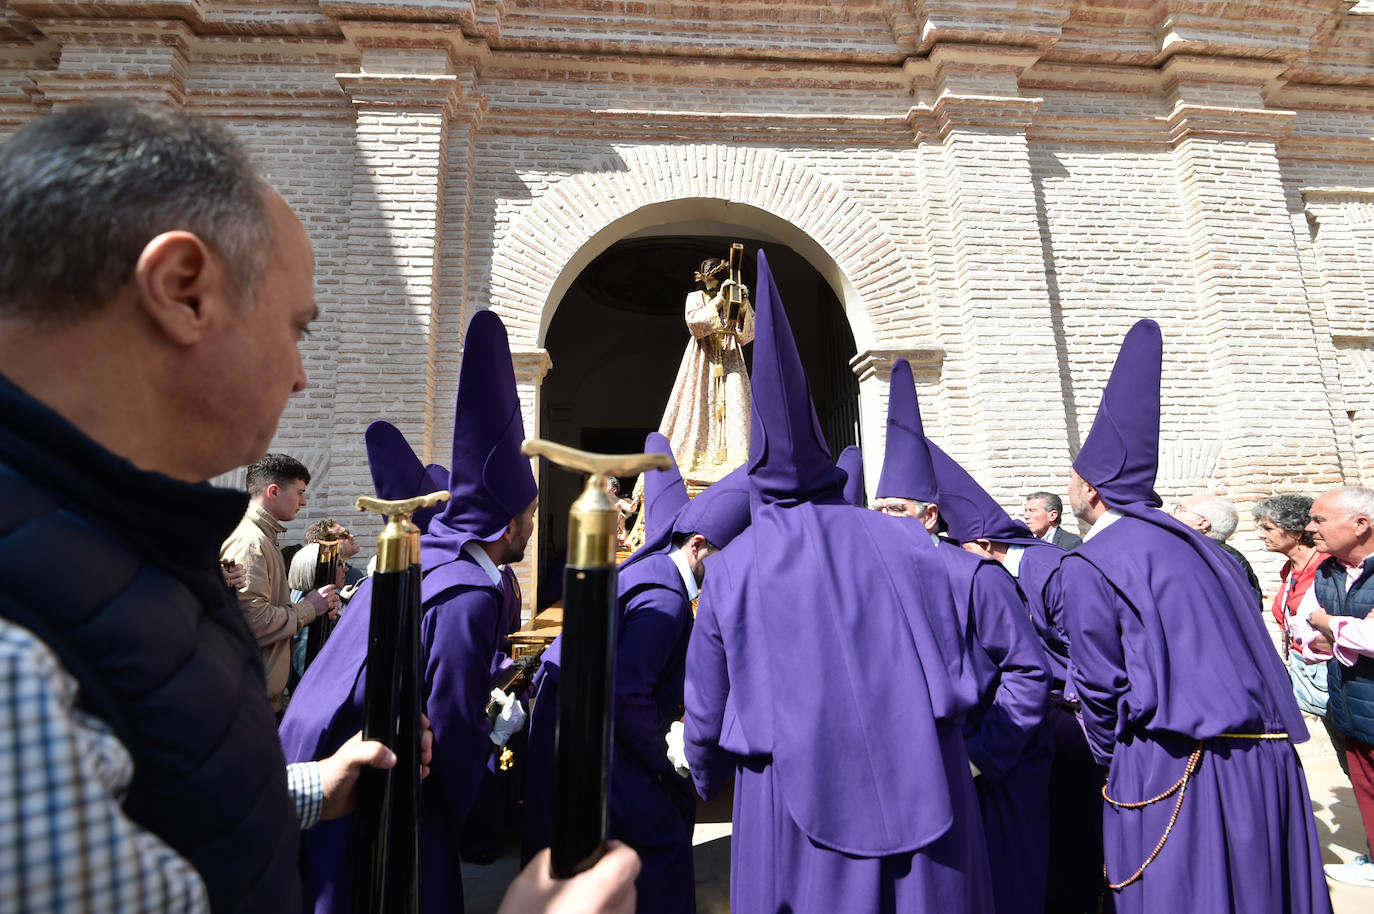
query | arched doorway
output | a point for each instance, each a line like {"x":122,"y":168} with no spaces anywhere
{"x":618,"y":336}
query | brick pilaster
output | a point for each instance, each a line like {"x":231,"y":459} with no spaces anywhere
{"x":1006,"y":421}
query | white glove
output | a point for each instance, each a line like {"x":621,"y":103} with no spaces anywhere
{"x":509,"y":721}
{"x":677,"y":753}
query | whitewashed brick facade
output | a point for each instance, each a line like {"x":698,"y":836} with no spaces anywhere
{"x":996,"y":190}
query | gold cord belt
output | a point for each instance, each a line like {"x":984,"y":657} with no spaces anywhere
{"x":1180,"y":787}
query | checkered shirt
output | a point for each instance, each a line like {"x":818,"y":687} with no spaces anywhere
{"x":65,"y":843}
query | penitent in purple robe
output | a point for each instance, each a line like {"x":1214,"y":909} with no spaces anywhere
{"x":652,"y":808}
{"x":1062,"y":825}
{"x":828,"y":675}
{"x":458,"y":635}
{"x":1006,"y":735}
{"x":1169,"y":659}
{"x":464,"y":605}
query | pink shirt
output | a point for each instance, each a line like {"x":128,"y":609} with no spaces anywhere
{"x":1352,"y":637}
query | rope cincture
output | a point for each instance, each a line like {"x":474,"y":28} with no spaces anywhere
{"x":1180,"y":787}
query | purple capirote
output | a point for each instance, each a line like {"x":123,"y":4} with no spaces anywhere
{"x":397,"y":473}
{"x":665,"y":493}
{"x":490,"y":481}
{"x":827,"y":673}
{"x":851,"y":460}
{"x":907,"y":470}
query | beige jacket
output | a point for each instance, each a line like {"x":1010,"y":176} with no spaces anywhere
{"x":265,"y":599}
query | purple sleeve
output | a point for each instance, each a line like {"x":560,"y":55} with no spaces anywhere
{"x":705,"y":692}
{"x":1009,"y":640}
{"x":458,"y":634}
{"x":650,"y":631}
{"x":1097,"y":668}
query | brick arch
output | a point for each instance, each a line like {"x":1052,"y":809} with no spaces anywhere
{"x":764,"y":190}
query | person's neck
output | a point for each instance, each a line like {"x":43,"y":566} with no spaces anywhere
{"x":132,"y":424}
{"x":1299,"y":555}
{"x":1358,"y":554}
{"x":1092,"y":513}
{"x":496,"y":551}
{"x":267,"y":509}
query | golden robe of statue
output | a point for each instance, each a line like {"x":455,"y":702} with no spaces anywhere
{"x":707,"y":419}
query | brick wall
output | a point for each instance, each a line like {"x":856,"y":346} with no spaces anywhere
{"x":996,"y":193}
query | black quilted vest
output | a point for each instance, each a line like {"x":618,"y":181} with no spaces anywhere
{"x":117,"y":570}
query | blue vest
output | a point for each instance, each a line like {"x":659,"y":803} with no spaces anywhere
{"x":1350,"y":703}
{"x":117,"y":571}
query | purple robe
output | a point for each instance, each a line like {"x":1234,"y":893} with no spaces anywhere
{"x":833,"y":813}
{"x":537,"y":786}
{"x":497,"y":797}
{"x":1165,"y":657}
{"x":652,"y":808}
{"x":462,"y":611}
{"x":1075,"y":779}
{"x":1007,"y":735}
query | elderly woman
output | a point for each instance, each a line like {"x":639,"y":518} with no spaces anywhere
{"x":1282,"y":522}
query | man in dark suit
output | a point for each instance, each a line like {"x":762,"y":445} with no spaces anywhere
{"x":1041,"y":513}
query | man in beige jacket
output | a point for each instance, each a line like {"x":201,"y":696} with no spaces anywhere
{"x":276,"y":490}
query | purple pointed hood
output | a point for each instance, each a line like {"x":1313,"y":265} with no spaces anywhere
{"x":969,"y":510}
{"x":397,"y":473}
{"x":720,"y":512}
{"x":852,"y":462}
{"x":907,"y":468}
{"x":490,"y":481}
{"x":1121,"y":454}
{"x":664,"y":491}
{"x":789,"y":462}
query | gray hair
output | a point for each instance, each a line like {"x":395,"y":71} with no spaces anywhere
{"x":84,"y":190}
{"x":302,"y":573}
{"x":1291,"y":512}
{"x":1219,"y":511}
{"x":1357,"y":501}
{"x":1049,"y":501}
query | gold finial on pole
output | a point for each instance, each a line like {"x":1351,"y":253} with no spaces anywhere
{"x":592,"y":519}
{"x":399,"y":537}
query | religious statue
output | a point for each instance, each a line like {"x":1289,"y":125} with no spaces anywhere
{"x":707,"y":419}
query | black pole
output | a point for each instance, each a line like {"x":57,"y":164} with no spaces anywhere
{"x":403,"y":877}
{"x":326,"y":572}
{"x":372,"y":821}
{"x":582,"y":742}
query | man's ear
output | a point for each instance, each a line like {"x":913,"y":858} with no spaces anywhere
{"x":179,"y":282}
{"x":272,"y":491}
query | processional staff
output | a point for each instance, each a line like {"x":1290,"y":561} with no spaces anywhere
{"x":582,"y":739}
{"x":326,"y":573}
{"x":387,"y":823}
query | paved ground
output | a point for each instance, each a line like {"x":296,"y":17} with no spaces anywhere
{"x":1338,"y":826}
